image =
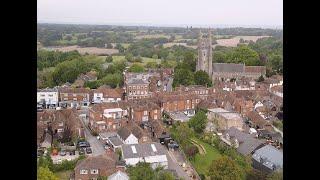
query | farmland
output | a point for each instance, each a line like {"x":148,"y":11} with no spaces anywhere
{"x":83,"y":50}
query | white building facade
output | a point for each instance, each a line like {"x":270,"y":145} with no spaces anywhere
{"x":48,"y":97}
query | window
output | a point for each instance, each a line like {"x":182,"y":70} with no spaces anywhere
{"x":188,"y":101}
{"x":145,"y":113}
{"x":155,"y":117}
{"x":134,"y":87}
{"x":146,"y":87}
{"x":60,"y":130}
{"x":156,"y":111}
{"x":138,"y":92}
{"x":83,"y":171}
{"x":94,"y":171}
{"x":50,"y":95}
{"x":74,"y":99}
{"x":138,"y":87}
{"x":130,"y":87}
{"x":42,"y":95}
{"x":74,"y":95}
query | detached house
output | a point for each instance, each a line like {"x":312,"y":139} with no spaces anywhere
{"x":74,"y":97}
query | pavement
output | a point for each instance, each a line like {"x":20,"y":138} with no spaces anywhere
{"x":175,"y":161}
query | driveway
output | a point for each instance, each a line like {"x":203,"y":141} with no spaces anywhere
{"x":96,"y":145}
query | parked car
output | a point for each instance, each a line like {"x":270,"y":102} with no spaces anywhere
{"x":83,"y":144}
{"x":62,"y":152}
{"x":81,"y":151}
{"x":72,"y":153}
{"x":88,"y":151}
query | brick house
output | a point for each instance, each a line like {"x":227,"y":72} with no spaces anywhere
{"x":144,"y":110}
{"x":94,"y":167}
{"x":108,"y":116}
{"x":74,"y":97}
{"x":59,"y":121}
{"x":201,"y":91}
{"x":105,"y":94}
{"x":179,"y":102}
{"x":131,"y":133}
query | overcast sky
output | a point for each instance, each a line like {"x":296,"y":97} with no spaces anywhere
{"x":163,"y":12}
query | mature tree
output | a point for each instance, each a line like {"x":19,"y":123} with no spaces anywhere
{"x":276,"y":63}
{"x":136,"y":68}
{"x":109,"y":46}
{"x":202,"y":78}
{"x":183,"y":76}
{"x":225,"y":168}
{"x":155,"y":56}
{"x":182,"y":133}
{"x":244,"y":54}
{"x":68,"y":38}
{"x":151,"y":65}
{"x":113,"y":80}
{"x":163,"y":175}
{"x":120,"y":48}
{"x":92,"y":84}
{"x":241,"y":40}
{"x":44,"y":173}
{"x":255,"y":174}
{"x":129,"y":57}
{"x":198,"y":122}
{"x":189,"y":58}
{"x":109,"y":59}
{"x":142,"y":171}
{"x":277,"y":175}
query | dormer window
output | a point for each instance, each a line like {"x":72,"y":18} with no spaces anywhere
{"x":83,"y":171}
{"x":94,"y":171}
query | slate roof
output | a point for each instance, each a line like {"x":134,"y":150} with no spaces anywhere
{"x":247,"y":143}
{"x":119,"y":175}
{"x":228,"y":67}
{"x":270,"y":155}
{"x":115,"y":141}
{"x":255,"y":69}
{"x":143,"y":150}
{"x":124,"y":133}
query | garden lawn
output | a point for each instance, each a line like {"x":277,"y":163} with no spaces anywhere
{"x":63,"y":175}
{"x":202,"y":162}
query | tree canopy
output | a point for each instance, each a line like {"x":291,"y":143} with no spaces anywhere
{"x":225,"y":168}
{"x":143,"y":171}
{"x":136,"y":68}
{"x":198,"y":122}
{"x":202,"y":78}
{"x":44,"y":173}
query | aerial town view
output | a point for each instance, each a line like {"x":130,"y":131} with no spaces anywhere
{"x":181,"y":97}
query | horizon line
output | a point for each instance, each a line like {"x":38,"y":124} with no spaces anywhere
{"x":166,"y":25}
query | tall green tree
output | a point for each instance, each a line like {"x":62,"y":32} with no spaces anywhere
{"x":142,"y":171}
{"x":44,"y":173}
{"x":183,"y":77}
{"x":198,"y":122}
{"x":136,"y":68}
{"x":202,"y":78}
{"x":225,"y":168}
{"x":182,"y":133}
{"x":109,"y":59}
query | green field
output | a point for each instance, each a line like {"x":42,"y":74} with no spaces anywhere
{"x":202,"y":162}
{"x":63,"y":175}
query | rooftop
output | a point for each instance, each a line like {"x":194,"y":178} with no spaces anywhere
{"x":270,"y":156}
{"x":226,"y":114}
{"x":142,"y":150}
{"x":115,"y":140}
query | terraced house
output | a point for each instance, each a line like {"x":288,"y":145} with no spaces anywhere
{"x":74,"y":97}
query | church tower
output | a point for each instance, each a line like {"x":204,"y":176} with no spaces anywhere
{"x":205,"y":53}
